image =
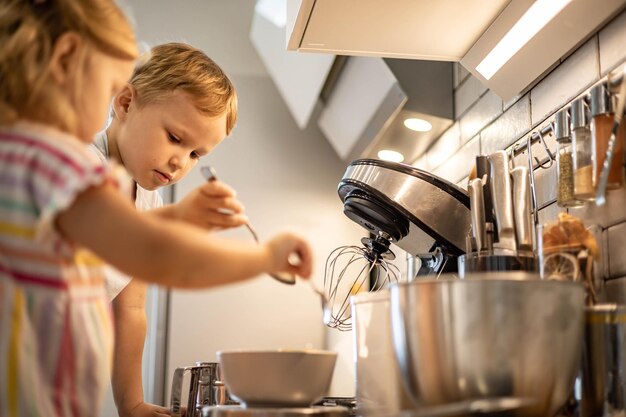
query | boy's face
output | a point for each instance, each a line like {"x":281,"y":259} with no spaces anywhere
{"x":159,"y":143}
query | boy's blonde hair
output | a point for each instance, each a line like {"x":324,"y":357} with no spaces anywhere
{"x":178,"y":66}
{"x":28,"y":32}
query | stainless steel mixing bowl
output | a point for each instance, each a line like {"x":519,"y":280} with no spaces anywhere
{"x":459,"y":340}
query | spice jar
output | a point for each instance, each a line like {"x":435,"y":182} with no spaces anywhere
{"x":583,"y":150}
{"x":564,"y":161}
{"x":601,"y":126}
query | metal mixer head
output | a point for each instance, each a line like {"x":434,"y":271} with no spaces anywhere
{"x":413,"y":209}
{"x":377,"y":249}
{"x":353,"y":269}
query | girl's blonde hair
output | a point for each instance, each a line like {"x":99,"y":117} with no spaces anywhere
{"x":28,"y":32}
{"x":178,"y":66}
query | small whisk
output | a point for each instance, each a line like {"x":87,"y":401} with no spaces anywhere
{"x":348,"y":271}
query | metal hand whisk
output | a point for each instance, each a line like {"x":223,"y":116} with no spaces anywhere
{"x":352,"y":269}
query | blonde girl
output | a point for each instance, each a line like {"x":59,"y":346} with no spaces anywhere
{"x":63,"y":213}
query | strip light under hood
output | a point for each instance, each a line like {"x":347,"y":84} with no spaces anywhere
{"x":536,"y":17}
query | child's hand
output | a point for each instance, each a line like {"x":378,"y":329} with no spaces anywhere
{"x":284,"y":247}
{"x":212,"y":206}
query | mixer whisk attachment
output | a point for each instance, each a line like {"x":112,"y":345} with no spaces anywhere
{"x":353,"y":269}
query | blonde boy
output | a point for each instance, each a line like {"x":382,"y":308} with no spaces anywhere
{"x":177,"y":107}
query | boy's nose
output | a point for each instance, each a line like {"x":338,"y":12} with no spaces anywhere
{"x":178,"y":162}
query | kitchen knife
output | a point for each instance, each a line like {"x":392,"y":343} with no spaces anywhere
{"x":501,"y":194}
{"x":483,"y":171}
{"x":477,"y":207}
{"x":522,"y":210}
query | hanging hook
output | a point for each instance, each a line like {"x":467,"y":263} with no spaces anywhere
{"x":515,"y":149}
{"x":551,"y":158}
{"x":512,"y":156}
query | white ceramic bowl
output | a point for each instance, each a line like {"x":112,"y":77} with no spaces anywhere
{"x":277,"y":378}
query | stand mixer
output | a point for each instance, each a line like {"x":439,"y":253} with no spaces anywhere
{"x":425,"y":215}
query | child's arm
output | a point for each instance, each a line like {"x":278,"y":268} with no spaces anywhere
{"x":130,"y":332}
{"x":170,"y":252}
{"x":212,"y":206}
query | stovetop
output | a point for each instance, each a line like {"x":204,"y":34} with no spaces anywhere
{"x":239,"y":411}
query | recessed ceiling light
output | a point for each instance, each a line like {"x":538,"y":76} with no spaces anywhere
{"x":419,"y":125}
{"x":535,"y":18}
{"x":391,"y":156}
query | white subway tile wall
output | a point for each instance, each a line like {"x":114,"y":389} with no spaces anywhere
{"x":465,"y":95}
{"x":485,"y":110}
{"x":545,"y":185}
{"x":615,"y":290}
{"x":446,"y":146}
{"x":612,"y":41}
{"x":509,"y":126}
{"x":486,"y":124}
{"x":550,"y":213}
{"x":461,"y":163}
{"x":579,"y":71}
{"x":612,"y":213}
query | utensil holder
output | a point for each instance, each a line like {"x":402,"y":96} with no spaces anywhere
{"x":492,"y":262}
{"x":604,"y":361}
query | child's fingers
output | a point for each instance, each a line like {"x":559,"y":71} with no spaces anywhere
{"x":224,"y":205}
{"x":217,"y":189}
{"x":224,"y":221}
{"x":304,"y":264}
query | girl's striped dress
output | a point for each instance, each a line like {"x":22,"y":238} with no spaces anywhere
{"x":56,"y":334}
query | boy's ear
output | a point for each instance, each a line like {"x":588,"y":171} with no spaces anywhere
{"x":122,"y":102}
{"x":65,"y":59}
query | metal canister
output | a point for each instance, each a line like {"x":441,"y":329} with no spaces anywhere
{"x":205,"y":389}
{"x":604,"y":361}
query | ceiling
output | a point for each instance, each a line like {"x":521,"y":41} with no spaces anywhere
{"x":224,"y":34}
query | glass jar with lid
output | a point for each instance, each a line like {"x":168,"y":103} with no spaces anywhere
{"x":602,"y":114}
{"x":564,"y":161}
{"x":583,"y":150}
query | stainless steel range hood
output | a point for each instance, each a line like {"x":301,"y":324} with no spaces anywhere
{"x":366,"y":105}
{"x":359,"y":103}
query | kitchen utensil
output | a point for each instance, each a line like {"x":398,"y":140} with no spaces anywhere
{"x":205,"y":388}
{"x":617,"y":119}
{"x":501,"y":194}
{"x":504,"y":274}
{"x":604,"y":361}
{"x":472,"y":263}
{"x":477,"y":206}
{"x":483,"y":172}
{"x":277,"y":378}
{"x":209,"y":174}
{"x":460,"y":340}
{"x":522,"y":209}
{"x":352,"y":269}
{"x":378,"y":382}
{"x":327,"y":312}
